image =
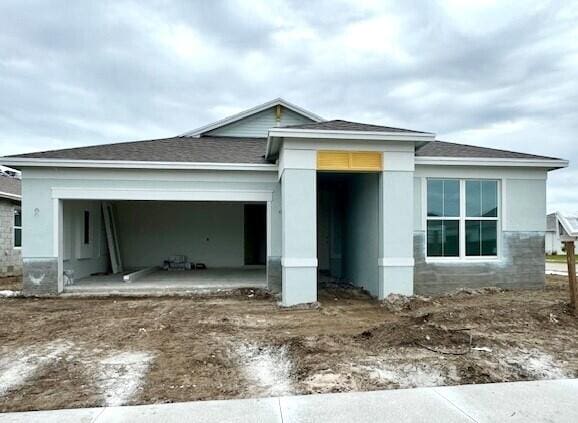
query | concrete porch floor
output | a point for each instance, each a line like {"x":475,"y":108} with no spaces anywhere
{"x":164,"y":282}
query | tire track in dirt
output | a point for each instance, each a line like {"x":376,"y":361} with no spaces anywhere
{"x":21,"y":365}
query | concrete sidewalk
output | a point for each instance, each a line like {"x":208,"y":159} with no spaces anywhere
{"x":555,"y":268}
{"x":540,"y":401}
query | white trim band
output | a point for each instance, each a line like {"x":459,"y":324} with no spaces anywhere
{"x":161,"y":194}
{"x":396,"y":262}
{"x":298,"y":262}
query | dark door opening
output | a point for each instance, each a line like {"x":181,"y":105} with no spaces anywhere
{"x":348,"y":228}
{"x":255,"y":234}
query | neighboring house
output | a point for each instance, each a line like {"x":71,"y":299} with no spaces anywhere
{"x":553,"y":243}
{"x":389,"y":210}
{"x":10,"y":226}
{"x":557,"y":226}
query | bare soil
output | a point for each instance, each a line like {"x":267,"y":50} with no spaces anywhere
{"x":84,"y":352}
{"x":11,"y":283}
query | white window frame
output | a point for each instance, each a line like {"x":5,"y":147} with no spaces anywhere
{"x":462,"y":257}
{"x":14,"y":227}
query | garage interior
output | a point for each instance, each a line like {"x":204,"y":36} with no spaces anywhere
{"x":348,"y":229}
{"x":163,"y":245}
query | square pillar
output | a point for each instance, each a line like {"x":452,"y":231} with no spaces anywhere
{"x":299,"y":233}
{"x":41,"y":243}
{"x":396,"y":261}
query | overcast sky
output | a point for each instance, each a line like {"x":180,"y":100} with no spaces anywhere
{"x":489,"y":73}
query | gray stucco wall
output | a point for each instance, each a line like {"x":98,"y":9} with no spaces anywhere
{"x":522,"y":219}
{"x":207,"y":232}
{"x":274,"y":274}
{"x":331,"y":202}
{"x":274,"y":269}
{"x":526,"y":204}
{"x":10,"y":257}
{"x":361,"y":235}
{"x":522,"y":265}
{"x":83,"y":260}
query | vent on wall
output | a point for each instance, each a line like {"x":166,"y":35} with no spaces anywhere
{"x":352,"y":161}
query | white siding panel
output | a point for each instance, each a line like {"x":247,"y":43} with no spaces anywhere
{"x":258,"y":124}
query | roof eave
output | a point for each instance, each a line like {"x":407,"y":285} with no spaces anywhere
{"x":353,"y":135}
{"x":571,"y":233}
{"x":22,"y":162}
{"x":10,"y":196}
{"x":549,"y":164}
{"x":276,"y":136}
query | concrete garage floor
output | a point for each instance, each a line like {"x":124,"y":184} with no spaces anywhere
{"x":163,"y":282}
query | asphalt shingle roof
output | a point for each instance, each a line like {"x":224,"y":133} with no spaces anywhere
{"x":176,"y":149}
{"x":10,"y":185}
{"x":450,"y":149}
{"x":343,"y":125}
{"x":238,"y":150}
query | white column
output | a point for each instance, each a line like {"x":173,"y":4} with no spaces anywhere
{"x":396,"y":261}
{"x":299,"y":224}
{"x":41,"y":216}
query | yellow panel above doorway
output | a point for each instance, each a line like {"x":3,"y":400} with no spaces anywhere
{"x":332,"y":160}
{"x":349,"y":161}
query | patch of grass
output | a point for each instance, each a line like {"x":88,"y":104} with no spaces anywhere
{"x":559,"y":258}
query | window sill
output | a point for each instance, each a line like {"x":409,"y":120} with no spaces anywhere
{"x":457,"y":260}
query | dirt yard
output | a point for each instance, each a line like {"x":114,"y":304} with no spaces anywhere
{"x":79,"y":352}
{"x":10,"y":283}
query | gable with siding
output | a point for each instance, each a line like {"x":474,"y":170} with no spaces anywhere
{"x":257,"y":125}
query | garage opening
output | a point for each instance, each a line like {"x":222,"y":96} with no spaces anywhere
{"x":348,"y":229}
{"x":163,"y":245}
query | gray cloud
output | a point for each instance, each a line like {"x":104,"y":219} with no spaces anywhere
{"x":495,"y":74}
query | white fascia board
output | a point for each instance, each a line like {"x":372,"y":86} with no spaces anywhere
{"x":280,"y":133}
{"x":123,"y":164}
{"x":350,"y":135}
{"x":234,"y":118}
{"x":270,"y":142}
{"x":10,"y":196}
{"x":474,"y":161}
